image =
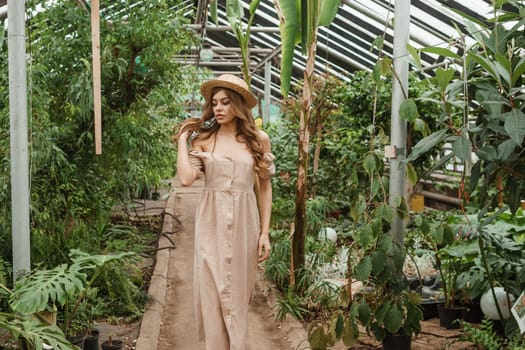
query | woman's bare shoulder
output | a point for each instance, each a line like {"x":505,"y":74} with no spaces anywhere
{"x":202,"y":143}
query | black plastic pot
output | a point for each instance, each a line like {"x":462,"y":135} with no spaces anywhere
{"x":397,"y":342}
{"x":77,"y":340}
{"x":91,"y":341}
{"x":472,"y":312}
{"x":429,"y":308}
{"x":449,"y":318}
{"x":115,"y":345}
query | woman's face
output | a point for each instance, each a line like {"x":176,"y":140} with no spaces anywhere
{"x":222,"y":107}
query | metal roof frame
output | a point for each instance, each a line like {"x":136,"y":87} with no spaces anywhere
{"x":344,"y":47}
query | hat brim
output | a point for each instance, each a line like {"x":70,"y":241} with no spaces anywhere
{"x":207,"y":87}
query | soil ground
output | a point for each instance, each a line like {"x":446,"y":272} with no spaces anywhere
{"x":265,"y":333}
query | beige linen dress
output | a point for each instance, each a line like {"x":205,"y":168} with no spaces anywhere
{"x":227,"y":228}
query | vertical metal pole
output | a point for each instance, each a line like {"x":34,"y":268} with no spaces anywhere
{"x":97,"y":98}
{"x":19,"y":139}
{"x":398,"y":126}
{"x":267,"y":90}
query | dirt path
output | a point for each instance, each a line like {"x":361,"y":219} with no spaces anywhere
{"x":177,"y":326}
{"x":168,"y":323}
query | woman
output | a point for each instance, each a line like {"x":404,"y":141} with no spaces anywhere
{"x":232,"y":223}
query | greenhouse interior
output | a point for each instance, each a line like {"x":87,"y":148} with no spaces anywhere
{"x":385,"y":178}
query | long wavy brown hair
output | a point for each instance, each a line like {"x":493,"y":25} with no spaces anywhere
{"x":246,"y":129}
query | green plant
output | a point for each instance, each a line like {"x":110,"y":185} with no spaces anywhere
{"x":482,"y":108}
{"x":33,"y":332}
{"x":63,"y":286}
{"x":70,"y":185}
{"x":291,"y":304}
{"x":277,"y":267}
{"x":235,"y":14}
{"x":303,"y":17}
{"x":385,"y":304}
{"x":484,"y":335}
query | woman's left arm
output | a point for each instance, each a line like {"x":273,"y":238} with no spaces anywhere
{"x":265,"y":206}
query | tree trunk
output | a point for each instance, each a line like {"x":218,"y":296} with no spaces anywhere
{"x":302,"y":172}
{"x":319,"y":120}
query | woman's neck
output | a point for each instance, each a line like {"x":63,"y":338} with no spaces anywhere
{"x":227,"y":129}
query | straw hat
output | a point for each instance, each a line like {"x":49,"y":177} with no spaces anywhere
{"x":233,"y":83}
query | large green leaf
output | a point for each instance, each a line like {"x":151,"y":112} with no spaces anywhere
{"x":358,"y":207}
{"x":363,"y":269}
{"x":428,"y":143}
{"x":461,"y":146}
{"x":384,"y":212}
{"x":339,"y":324}
{"x":253,"y":6}
{"x":475,"y":176}
{"x":415,"y":55}
{"x":213,"y":11}
{"x":443,"y":77}
{"x":379,"y":262}
{"x":488,"y":153}
{"x":35,"y":332}
{"x":515,"y":125}
{"x":441,"y":51}
{"x":363,"y":237}
{"x":289,"y":27}
{"x":503,"y":72}
{"x":393,"y":319}
{"x":318,"y":339}
{"x":518,"y":71}
{"x":369,"y":164}
{"x":235,"y":13}
{"x":411,"y":174}
{"x":506,"y":149}
{"x":328,"y":11}
{"x":35,"y":292}
{"x":514,"y":198}
{"x":408,"y":110}
{"x":382,"y":311}
{"x":486,"y":64}
{"x":385,"y":242}
{"x":350,"y":333}
{"x":365,"y":313}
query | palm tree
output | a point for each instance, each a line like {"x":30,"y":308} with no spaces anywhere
{"x":299,"y":21}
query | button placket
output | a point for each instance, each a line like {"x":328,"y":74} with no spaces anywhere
{"x":228,"y":251}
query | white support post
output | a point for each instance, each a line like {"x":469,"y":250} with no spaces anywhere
{"x":19,"y":138}
{"x":398,"y":126}
{"x":267,"y":90}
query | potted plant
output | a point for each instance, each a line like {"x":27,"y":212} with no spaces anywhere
{"x":385,"y":306}
{"x":112,"y":344}
{"x":92,"y":337}
{"x":65,"y":287}
{"x":449,"y":311}
{"x":424,"y":235}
